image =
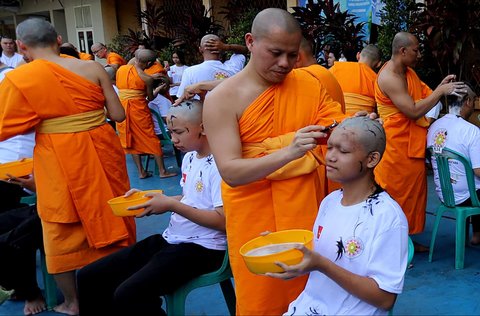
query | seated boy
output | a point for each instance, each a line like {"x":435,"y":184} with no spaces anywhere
{"x":360,"y":234}
{"x":131,"y":281}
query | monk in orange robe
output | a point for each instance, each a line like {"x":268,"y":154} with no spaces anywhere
{"x":81,"y":55}
{"x":114,"y":60}
{"x":78,"y":161}
{"x":262,"y":127}
{"x":137,"y":135}
{"x":402,"y":101}
{"x":307,"y":60}
{"x":357,"y":80}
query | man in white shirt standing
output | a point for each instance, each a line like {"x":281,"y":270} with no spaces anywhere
{"x":212,"y":68}
{"x":453,"y":131}
{"x":9,"y":56}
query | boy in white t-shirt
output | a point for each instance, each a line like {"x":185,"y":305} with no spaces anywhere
{"x":360,"y":234}
{"x":131,"y":281}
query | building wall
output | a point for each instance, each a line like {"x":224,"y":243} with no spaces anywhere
{"x":109,"y":19}
{"x":127,"y":15}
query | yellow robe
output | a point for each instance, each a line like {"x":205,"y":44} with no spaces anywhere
{"x":275,"y":204}
{"x":75,"y":173}
{"x":401,"y":172}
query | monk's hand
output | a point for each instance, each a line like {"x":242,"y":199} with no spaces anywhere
{"x":27,"y":182}
{"x":456,"y":88}
{"x":305,"y":139}
{"x":307,"y":264}
{"x":157,"y":204}
{"x":370,"y":115}
{"x":447,"y":79}
{"x":214,"y":46}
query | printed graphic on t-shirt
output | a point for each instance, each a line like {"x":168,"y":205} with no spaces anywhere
{"x":439,"y":140}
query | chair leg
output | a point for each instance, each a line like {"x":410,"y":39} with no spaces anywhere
{"x":229,"y":295}
{"x":460,"y":242}
{"x":434,"y":234}
{"x":176,"y":303}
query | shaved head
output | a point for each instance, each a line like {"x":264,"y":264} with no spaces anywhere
{"x":190,"y":111}
{"x":70,"y":45}
{"x":272,"y":18}
{"x":207,"y":37}
{"x":371,"y":53}
{"x":402,"y":39}
{"x":97,"y":46}
{"x":145,"y":55}
{"x":36,"y":32}
{"x":369,"y":133}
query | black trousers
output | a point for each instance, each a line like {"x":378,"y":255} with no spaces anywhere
{"x":20,"y":237}
{"x":131,"y":281}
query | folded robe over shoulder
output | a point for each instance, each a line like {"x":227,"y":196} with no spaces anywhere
{"x":401,"y":172}
{"x":76,"y":173}
{"x":136,"y":132}
{"x":115,"y":59}
{"x":275,"y":203}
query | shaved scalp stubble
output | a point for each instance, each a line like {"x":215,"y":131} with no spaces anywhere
{"x":372,"y":53}
{"x":369,"y":133}
{"x":145,"y":55}
{"x":402,"y":39}
{"x":36,"y":32}
{"x":190,"y":111}
{"x":272,"y":18}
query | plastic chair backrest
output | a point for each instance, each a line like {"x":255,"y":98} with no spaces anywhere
{"x":167,"y":140}
{"x":443,"y":168}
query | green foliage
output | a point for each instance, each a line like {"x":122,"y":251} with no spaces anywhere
{"x":242,"y":25}
{"x":450,"y":34}
{"x":327,"y":26}
{"x":397,"y":15}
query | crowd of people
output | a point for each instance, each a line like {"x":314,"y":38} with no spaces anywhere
{"x":258,"y":158}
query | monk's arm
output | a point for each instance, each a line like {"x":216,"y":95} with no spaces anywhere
{"x":222,"y":129}
{"x":396,"y":89}
{"x":148,"y":83}
{"x":112,"y":103}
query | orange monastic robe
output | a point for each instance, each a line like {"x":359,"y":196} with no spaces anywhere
{"x":334,"y":89}
{"x":75,"y":173}
{"x":401,"y":172}
{"x":85,"y":56}
{"x":358,"y":85}
{"x":156,"y":68}
{"x":114,"y":58}
{"x":136,"y":132}
{"x":269,"y":204}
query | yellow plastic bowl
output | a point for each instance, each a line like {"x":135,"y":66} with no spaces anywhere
{"x":261,"y":264}
{"x":19,"y":168}
{"x":121,"y":204}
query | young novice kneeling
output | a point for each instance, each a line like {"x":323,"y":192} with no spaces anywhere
{"x":360,"y":234}
{"x":131,"y":281}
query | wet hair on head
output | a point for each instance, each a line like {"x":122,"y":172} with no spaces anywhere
{"x":370,"y":133}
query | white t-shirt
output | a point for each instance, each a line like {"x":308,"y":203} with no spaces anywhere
{"x":176,"y":73}
{"x":11,"y":61}
{"x":435,"y":111}
{"x":161,"y":105}
{"x":211,"y":70}
{"x":201,"y":189}
{"x":369,"y":239}
{"x":16,"y":147}
{"x":463,"y":137}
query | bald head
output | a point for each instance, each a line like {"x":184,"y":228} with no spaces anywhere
{"x":272,"y":18}
{"x":190,"y":111}
{"x":36,"y":33}
{"x":371,"y":53}
{"x":369,"y":133}
{"x":97,"y":46}
{"x":207,"y":37}
{"x":145,"y":56}
{"x":456,"y":103}
{"x":402,"y":39}
{"x":69,"y":45}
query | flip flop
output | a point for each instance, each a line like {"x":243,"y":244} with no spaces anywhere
{"x":148,"y":174}
{"x":168,"y":175}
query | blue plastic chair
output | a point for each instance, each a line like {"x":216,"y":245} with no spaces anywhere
{"x":48,"y":280}
{"x":176,"y":300}
{"x":448,"y":204}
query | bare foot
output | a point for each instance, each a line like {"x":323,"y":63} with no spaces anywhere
{"x":167,"y":174}
{"x":35,"y":306}
{"x":69,"y":309}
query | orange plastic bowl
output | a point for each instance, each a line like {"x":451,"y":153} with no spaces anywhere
{"x":121,"y":204}
{"x":261,"y":253}
{"x":19,"y":168}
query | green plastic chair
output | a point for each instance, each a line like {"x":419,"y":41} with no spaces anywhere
{"x":176,"y":300}
{"x":448,"y":204}
{"x":48,"y":280}
{"x":166,"y":141}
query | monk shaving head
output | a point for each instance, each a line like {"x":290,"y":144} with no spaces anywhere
{"x":274,"y":43}
{"x":162,"y":80}
{"x":145,"y":58}
{"x":371,"y":56}
{"x":36,"y":32}
{"x":185,"y":123}
{"x":405,"y":47}
{"x":463,"y":105}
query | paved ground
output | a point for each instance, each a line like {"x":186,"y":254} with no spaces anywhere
{"x":430,"y":288}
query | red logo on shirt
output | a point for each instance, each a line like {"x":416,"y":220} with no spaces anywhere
{"x":319,"y":231}
{"x":184,"y":177}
